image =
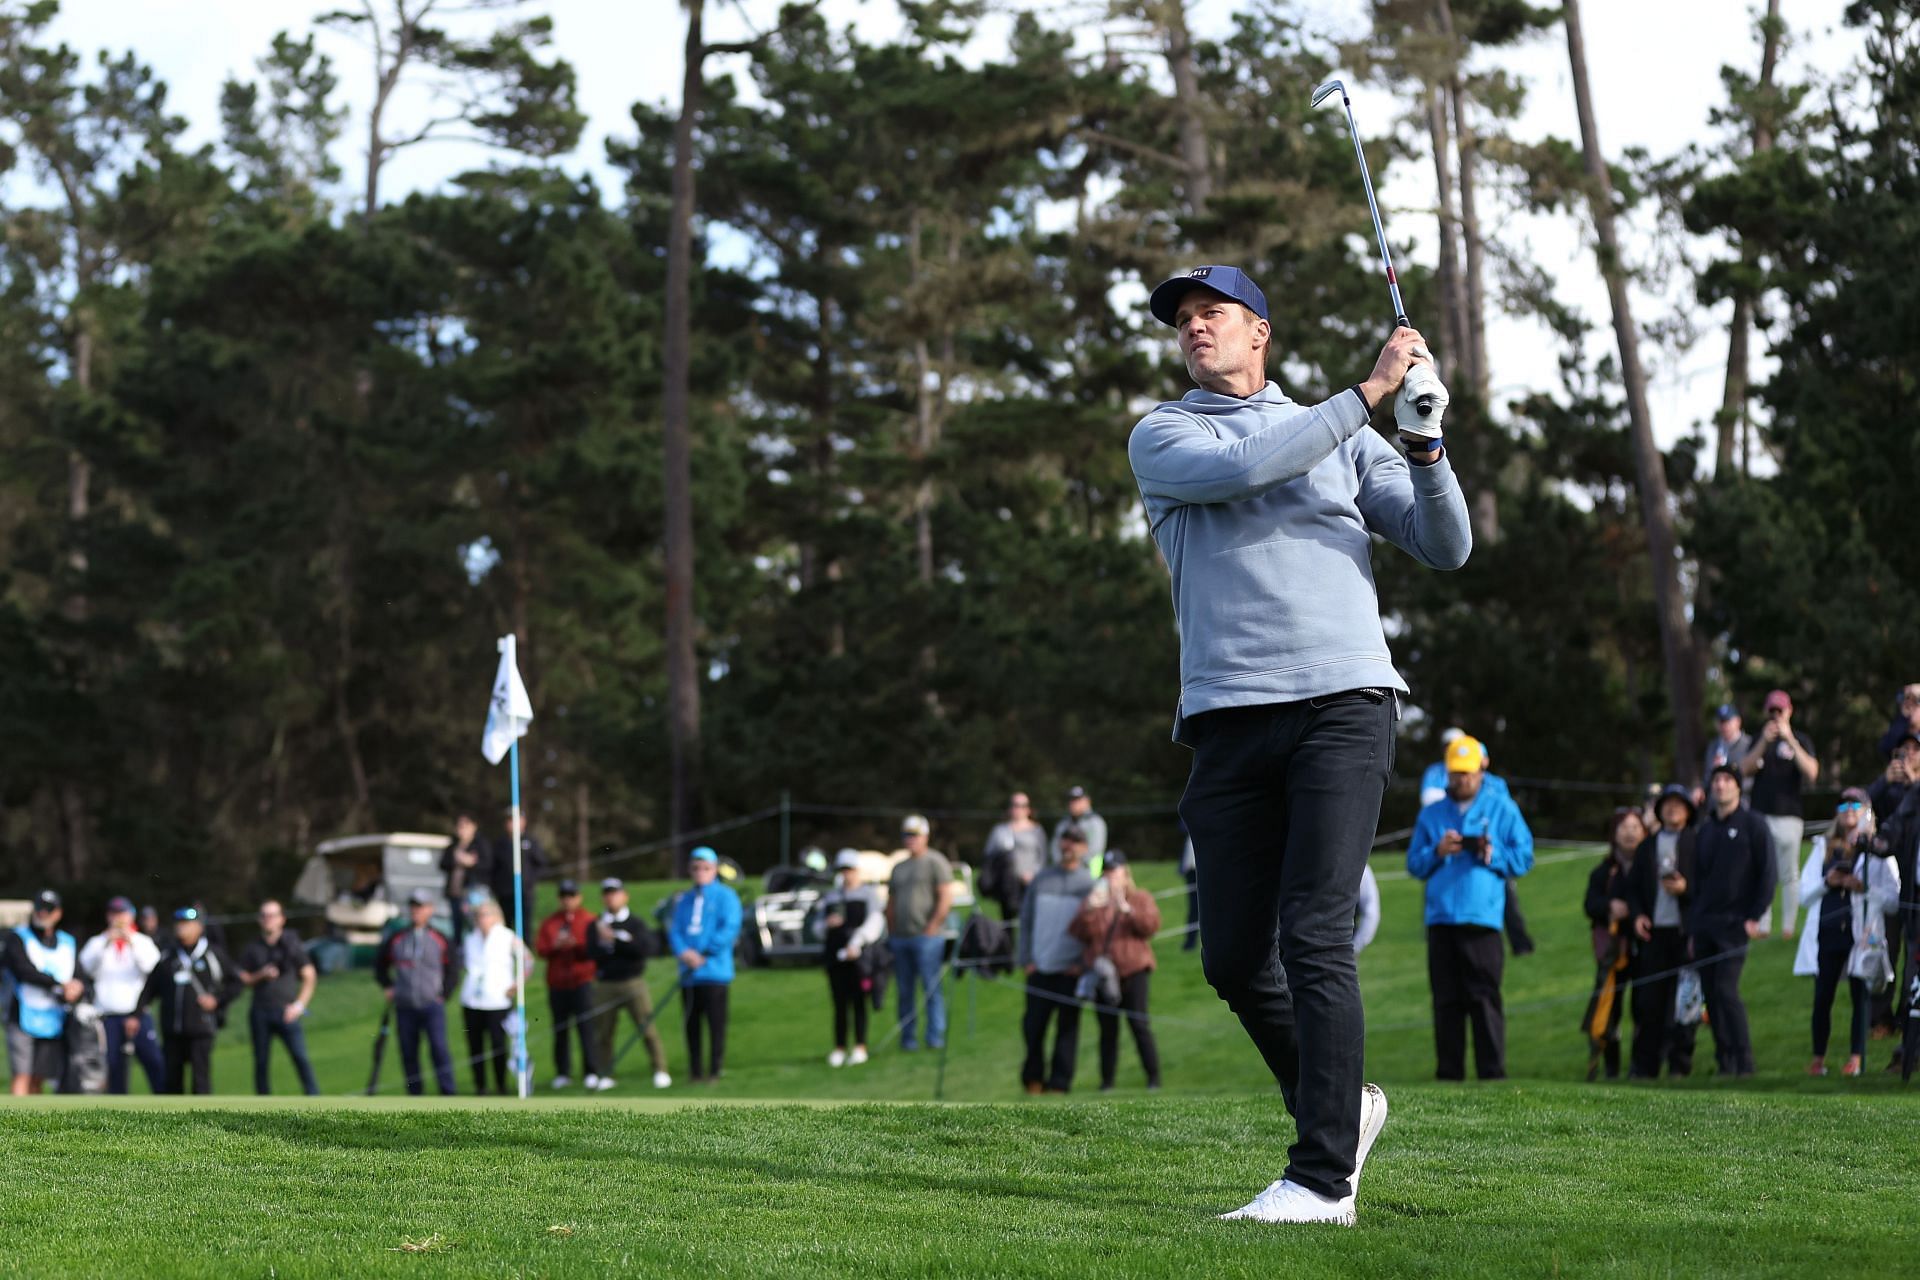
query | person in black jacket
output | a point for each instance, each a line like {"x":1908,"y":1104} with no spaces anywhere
{"x":468,"y":864}
{"x":1732,"y":893}
{"x":1659,"y":886}
{"x":194,"y":982}
{"x":621,"y":944}
{"x":533,"y":867}
{"x":1899,"y":840}
{"x":1609,"y":909}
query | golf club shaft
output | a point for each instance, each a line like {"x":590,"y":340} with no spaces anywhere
{"x":1373,"y":207}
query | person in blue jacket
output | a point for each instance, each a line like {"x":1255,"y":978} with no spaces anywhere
{"x":705,"y":925}
{"x":1466,"y":847}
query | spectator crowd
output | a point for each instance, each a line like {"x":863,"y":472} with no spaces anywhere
{"x":1687,"y":883}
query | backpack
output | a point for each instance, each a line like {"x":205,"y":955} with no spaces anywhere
{"x":986,"y":944}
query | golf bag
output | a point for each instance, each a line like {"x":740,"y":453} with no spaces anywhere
{"x":86,"y":1035}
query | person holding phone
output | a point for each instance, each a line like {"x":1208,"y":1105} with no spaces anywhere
{"x":1781,"y":763}
{"x":1465,"y":848}
{"x":1658,"y":889}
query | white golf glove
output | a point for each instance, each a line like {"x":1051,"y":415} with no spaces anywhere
{"x":1422,"y":383}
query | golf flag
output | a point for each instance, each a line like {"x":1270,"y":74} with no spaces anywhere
{"x":510,"y":711}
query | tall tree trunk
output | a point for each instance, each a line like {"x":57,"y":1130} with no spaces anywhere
{"x":75,"y":823}
{"x":1732,"y":418}
{"x":1171,"y":17}
{"x":582,"y":829}
{"x":1473,"y":306}
{"x":1676,"y":634}
{"x":1452,"y":356}
{"x":683,"y":677}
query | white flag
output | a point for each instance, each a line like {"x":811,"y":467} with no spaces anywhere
{"x":510,"y":711}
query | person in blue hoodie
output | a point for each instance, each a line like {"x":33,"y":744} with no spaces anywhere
{"x":705,"y":925}
{"x":1465,"y":848}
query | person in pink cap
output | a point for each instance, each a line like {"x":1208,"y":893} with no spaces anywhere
{"x":1781,"y":764}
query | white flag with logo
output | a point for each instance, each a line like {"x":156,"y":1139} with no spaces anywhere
{"x":510,"y":711}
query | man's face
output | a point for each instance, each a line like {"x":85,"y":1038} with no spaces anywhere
{"x":465,"y":828}
{"x":704,"y":872}
{"x":121,"y":920}
{"x":421,"y":913}
{"x":46,"y":919}
{"x":1463,"y":787}
{"x":914,"y":843}
{"x":1726,"y":791}
{"x":1783,"y":714}
{"x":1071,"y":852}
{"x":1080,"y":806}
{"x":1218,"y":337}
{"x":1673,"y":813}
{"x":187,"y":932}
{"x":614,"y":900}
{"x":272,"y":919}
{"x":1909,"y":754}
{"x":569,"y":902}
{"x":1730,"y":729}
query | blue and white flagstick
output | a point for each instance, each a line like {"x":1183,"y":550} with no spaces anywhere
{"x":509,"y":713}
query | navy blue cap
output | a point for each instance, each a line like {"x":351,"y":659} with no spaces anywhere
{"x":1231,"y":281}
{"x":1727,"y":711}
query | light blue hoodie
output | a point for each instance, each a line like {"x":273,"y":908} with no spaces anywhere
{"x":1264,"y":510}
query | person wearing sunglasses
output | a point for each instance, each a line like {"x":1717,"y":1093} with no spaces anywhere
{"x":1848,"y":891}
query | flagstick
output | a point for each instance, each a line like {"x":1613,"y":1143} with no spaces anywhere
{"x":520,"y":1064}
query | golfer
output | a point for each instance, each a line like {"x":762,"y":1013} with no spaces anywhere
{"x":1264,"y":510}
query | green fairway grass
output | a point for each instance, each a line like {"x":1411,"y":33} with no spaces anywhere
{"x":1544,"y":1174}
{"x":1512,"y":1179}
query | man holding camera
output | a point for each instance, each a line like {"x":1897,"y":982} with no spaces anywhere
{"x":1465,"y":848}
{"x":1780,"y":764}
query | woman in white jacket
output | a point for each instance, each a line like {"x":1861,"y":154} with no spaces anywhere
{"x":487,"y":992}
{"x":1847,"y":893}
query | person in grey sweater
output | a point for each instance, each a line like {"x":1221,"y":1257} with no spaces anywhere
{"x":1094,"y":827}
{"x":1266,"y":513}
{"x":1049,"y":955}
{"x":1016,"y":850}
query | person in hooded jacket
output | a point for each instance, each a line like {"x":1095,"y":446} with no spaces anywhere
{"x":194,"y":982}
{"x":852,"y":921}
{"x":1609,"y":906}
{"x":1846,"y":889}
{"x":1659,"y":886}
{"x":1466,"y":848}
{"x":1117,"y":923}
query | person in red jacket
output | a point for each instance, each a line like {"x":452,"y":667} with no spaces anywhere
{"x":562,"y":941}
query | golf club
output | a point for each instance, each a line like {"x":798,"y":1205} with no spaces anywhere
{"x":1423,"y":404}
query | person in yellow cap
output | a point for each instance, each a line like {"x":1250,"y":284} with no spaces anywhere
{"x":1465,"y":848}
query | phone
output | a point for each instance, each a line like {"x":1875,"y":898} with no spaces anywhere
{"x":1473,"y":844}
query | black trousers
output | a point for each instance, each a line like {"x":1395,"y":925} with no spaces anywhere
{"x":1193,"y":912}
{"x":1656,"y":984}
{"x":570,"y":1010}
{"x":1720,"y":961}
{"x":189,"y":1051}
{"x":1516,"y":924}
{"x":1133,"y":999}
{"x":1464,"y":964}
{"x":849,"y":1002}
{"x":1051,"y":998}
{"x":487,"y":1047}
{"x":1282,"y":805}
{"x":1826,"y":986}
{"x":705,"y":1003}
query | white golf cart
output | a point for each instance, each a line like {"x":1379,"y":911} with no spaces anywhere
{"x":781,"y":928}
{"x":362,"y":882}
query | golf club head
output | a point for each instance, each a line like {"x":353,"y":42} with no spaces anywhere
{"x":1331,"y":86}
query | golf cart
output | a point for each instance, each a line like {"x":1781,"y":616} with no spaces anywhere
{"x":361,"y":883}
{"x":782,"y":927}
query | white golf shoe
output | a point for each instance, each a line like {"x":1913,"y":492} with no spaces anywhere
{"x":838,"y":1058}
{"x":858,"y":1056}
{"x":1286,"y":1201}
{"x":560,"y":1082}
{"x":662,"y":1080}
{"x":592,"y":1082}
{"x":606,"y":1083}
{"x":1373,"y":1118}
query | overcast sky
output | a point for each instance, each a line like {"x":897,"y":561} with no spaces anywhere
{"x":1655,"y":67}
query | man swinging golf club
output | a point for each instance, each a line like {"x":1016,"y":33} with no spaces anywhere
{"x":1264,"y":509}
